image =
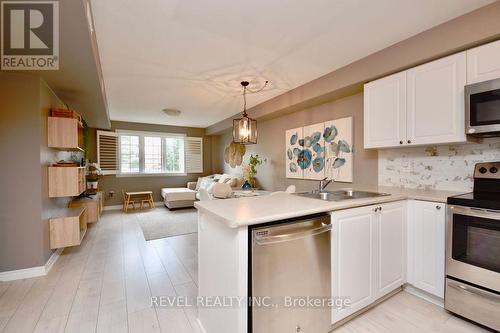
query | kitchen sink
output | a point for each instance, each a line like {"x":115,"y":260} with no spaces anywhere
{"x":341,"y":195}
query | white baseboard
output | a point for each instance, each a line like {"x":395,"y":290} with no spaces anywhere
{"x":32,"y":271}
{"x":120,"y":207}
{"x":424,"y":295}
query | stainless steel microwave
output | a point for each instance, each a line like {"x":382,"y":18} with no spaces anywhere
{"x":482,"y":108}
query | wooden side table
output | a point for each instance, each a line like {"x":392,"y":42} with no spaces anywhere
{"x":139,"y":195}
{"x":94,"y":206}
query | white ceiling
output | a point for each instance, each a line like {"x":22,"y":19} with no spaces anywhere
{"x":191,"y":55}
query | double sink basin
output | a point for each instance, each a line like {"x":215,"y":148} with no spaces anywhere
{"x":341,"y":195}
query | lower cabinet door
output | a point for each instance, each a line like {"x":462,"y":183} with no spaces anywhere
{"x":353,"y":259}
{"x":426,"y":248}
{"x":391,"y":247}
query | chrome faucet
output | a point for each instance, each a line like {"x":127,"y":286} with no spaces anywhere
{"x":323,"y":184}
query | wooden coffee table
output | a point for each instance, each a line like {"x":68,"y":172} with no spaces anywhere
{"x":138,"y":194}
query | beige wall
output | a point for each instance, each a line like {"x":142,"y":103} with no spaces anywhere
{"x":24,"y":203}
{"x":153,"y":183}
{"x":271,"y":145}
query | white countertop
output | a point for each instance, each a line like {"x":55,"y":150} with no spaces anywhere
{"x":254,"y":210}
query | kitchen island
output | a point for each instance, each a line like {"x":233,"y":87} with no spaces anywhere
{"x":224,"y":244}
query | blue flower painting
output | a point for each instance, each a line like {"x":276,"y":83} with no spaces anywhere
{"x":318,"y":164}
{"x":294,"y":147}
{"x":304,"y":159}
{"x":338,"y":150}
{"x":314,"y":142}
{"x":321,"y":150}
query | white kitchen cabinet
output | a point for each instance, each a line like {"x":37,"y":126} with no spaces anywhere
{"x":423,"y":105}
{"x":353,"y":258}
{"x":426,"y":246}
{"x":390,"y":244}
{"x":483,"y":63}
{"x":368,"y":254}
{"x":385,"y":111}
{"x":435,"y":101}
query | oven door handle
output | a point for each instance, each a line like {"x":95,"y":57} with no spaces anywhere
{"x":477,"y":212}
{"x":472,"y":290}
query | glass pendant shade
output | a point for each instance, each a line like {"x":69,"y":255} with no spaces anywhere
{"x":245,"y":130}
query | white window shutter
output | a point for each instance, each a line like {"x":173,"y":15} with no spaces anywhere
{"x":107,"y":152}
{"x":193,"y":152}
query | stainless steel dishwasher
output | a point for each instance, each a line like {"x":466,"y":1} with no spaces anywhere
{"x":290,"y":262}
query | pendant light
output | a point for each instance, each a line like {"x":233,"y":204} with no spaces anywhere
{"x":245,"y":128}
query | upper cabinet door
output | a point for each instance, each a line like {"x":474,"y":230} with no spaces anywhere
{"x":436,"y":101}
{"x":483,"y":63}
{"x":385,"y":112}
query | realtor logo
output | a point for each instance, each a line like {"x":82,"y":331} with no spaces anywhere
{"x":29,"y":35}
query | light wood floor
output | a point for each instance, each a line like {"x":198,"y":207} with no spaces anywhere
{"x":105,"y":285}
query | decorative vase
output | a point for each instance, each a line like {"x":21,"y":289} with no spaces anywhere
{"x":246,"y":186}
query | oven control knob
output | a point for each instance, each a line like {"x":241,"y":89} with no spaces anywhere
{"x":482,"y":170}
{"x":493,"y":169}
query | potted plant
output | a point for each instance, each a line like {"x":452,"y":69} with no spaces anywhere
{"x":250,"y":171}
{"x":93,"y":174}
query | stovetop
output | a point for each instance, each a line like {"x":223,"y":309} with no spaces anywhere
{"x":486,"y":192}
{"x":477,"y":199}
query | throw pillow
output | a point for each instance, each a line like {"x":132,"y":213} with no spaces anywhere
{"x":198,"y":183}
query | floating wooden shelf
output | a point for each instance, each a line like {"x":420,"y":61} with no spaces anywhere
{"x":93,"y":204}
{"x":65,"y":133}
{"x":68,"y":228}
{"x":66,"y":181}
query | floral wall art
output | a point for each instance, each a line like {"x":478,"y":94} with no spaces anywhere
{"x":293,"y":150}
{"x":338,"y":150}
{"x":320,"y":150}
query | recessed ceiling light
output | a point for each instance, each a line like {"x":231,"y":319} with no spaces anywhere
{"x":172,"y":112}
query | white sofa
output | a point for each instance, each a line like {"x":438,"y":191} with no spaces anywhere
{"x":183,"y":197}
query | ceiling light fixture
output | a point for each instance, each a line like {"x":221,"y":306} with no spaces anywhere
{"x":172,"y":112}
{"x":245,"y":128}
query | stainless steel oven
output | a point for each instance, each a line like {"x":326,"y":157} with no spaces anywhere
{"x":473,"y":264}
{"x":482,"y":108}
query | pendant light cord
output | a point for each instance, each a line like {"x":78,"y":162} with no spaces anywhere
{"x":244,"y":101}
{"x":252,"y":92}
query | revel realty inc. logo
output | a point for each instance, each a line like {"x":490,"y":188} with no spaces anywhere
{"x":29,"y":35}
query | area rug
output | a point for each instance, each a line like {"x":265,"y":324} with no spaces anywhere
{"x":166,"y":223}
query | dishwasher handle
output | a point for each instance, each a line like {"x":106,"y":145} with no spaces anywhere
{"x":293,"y":236}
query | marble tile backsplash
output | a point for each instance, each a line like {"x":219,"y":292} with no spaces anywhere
{"x":435,"y":167}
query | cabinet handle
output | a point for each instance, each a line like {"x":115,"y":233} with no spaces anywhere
{"x":401,"y":142}
{"x":438,"y":207}
{"x":380,"y":208}
{"x":409,"y":141}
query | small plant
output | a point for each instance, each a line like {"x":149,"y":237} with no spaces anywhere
{"x":250,"y":170}
{"x":93,"y":172}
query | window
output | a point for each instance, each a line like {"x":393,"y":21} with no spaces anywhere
{"x":129,"y":153}
{"x":152,"y":154}
{"x":174,"y":158}
{"x":158,"y":153}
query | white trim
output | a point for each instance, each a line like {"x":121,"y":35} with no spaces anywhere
{"x":162,"y":174}
{"x":32,"y":271}
{"x":120,"y":207}
{"x":147,"y":133}
{"x":424,"y":295}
